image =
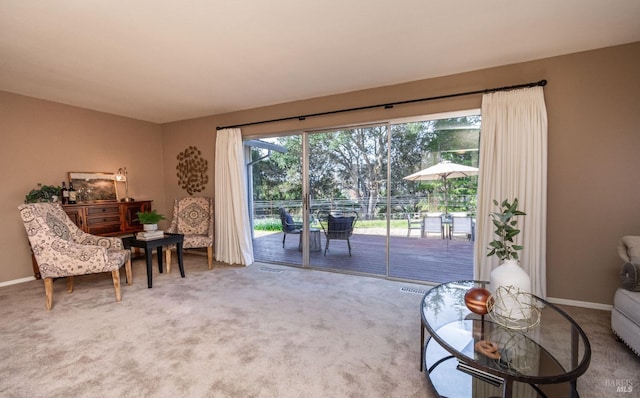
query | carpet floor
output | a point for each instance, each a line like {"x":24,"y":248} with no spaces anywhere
{"x":257,"y":331}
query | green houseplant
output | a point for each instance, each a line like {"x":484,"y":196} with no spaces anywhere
{"x":44,"y":193}
{"x":149,"y":217}
{"x":503,"y":246}
{"x":509,"y":283}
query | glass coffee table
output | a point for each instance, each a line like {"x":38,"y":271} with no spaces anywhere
{"x":543,"y":361}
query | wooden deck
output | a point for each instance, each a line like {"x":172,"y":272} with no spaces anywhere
{"x":420,"y":259}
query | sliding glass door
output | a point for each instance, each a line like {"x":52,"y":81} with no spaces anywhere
{"x":347,"y":184}
{"x":275,"y":173}
{"x":427,"y":241}
{"x":348,"y":205}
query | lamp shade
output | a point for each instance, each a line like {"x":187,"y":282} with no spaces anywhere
{"x":121,"y":175}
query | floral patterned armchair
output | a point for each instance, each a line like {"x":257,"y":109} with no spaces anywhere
{"x":193,"y":217}
{"x":63,"y":250}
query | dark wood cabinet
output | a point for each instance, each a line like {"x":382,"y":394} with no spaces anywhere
{"x":109,"y":218}
{"x":75,"y":214}
{"x":104,"y":219}
{"x":129,"y":215}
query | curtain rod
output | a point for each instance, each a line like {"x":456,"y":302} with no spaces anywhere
{"x":390,"y":105}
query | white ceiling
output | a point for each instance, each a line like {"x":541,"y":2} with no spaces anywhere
{"x":167,"y":60}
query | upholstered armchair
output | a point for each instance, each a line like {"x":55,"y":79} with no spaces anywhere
{"x":193,"y":217}
{"x":62,"y":250}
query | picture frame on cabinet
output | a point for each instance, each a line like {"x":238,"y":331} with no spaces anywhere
{"x":94,"y":187}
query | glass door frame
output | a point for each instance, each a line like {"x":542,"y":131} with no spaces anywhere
{"x":307,"y":200}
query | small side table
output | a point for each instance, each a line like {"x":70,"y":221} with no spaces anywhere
{"x":149,"y":245}
{"x":315,"y":245}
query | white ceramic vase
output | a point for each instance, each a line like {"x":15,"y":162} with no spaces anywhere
{"x":513,"y":301}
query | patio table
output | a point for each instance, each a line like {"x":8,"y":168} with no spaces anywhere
{"x":315,"y":244}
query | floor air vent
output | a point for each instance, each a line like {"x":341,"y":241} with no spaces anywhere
{"x":267,"y":269}
{"x":413,"y":290}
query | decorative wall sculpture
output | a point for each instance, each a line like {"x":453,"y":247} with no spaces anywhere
{"x":192,"y":170}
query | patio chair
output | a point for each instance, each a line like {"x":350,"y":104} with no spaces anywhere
{"x":288,"y":225}
{"x":414,"y":221}
{"x":192,"y":217}
{"x":62,"y":250}
{"x":458,"y":214}
{"x":433,"y":224}
{"x":462,"y":226}
{"x":337,"y":226}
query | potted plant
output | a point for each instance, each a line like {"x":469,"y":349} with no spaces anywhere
{"x":506,"y":229}
{"x":150,"y":219}
{"x":44,"y":193}
{"x":509,"y":282}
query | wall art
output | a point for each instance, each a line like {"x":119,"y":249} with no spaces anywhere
{"x":93,"y":187}
{"x":192,"y":170}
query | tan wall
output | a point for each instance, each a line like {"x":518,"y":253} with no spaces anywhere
{"x":593,"y":99}
{"x":178,"y":137}
{"x":593,"y":103}
{"x":42,"y":141}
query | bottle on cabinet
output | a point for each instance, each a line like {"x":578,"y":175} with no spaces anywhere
{"x":72,"y":194}
{"x":64,"y":194}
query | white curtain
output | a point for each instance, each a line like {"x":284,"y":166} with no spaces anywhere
{"x":233,"y":229}
{"x":513,"y":164}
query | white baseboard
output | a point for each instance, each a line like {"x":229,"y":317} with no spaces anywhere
{"x":16,"y":281}
{"x":576,"y":303}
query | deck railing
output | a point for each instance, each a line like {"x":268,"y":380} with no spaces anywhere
{"x":400,"y":206}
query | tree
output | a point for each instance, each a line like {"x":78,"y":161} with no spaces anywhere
{"x":358,"y":161}
{"x":352,"y":163}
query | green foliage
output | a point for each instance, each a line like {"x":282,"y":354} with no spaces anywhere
{"x":506,"y":230}
{"x":42,"y":194}
{"x":352,"y":164}
{"x":267,"y":225}
{"x":150,"y":217}
{"x":279,"y":176}
{"x":397,"y":224}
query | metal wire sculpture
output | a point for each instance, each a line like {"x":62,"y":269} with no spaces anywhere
{"x":514,"y":309}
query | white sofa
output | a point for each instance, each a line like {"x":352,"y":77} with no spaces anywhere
{"x":625,"y":315}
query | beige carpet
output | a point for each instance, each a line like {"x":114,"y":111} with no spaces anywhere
{"x":258,"y":331}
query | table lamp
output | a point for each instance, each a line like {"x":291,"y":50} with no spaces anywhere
{"x":121,"y":176}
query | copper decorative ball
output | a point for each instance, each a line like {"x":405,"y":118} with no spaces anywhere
{"x":476,"y":300}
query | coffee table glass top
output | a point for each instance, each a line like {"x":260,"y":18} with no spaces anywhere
{"x":555,"y":351}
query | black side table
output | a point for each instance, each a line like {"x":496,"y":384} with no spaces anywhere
{"x":149,"y":245}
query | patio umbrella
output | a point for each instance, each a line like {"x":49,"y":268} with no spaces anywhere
{"x":443,"y":170}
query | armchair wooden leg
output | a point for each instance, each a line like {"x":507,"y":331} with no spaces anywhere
{"x":116,"y":283}
{"x":69,"y":284}
{"x":210,"y":256}
{"x":48,"y":292}
{"x":127,"y":270}
{"x":168,"y":260}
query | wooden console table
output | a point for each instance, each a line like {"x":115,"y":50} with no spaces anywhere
{"x":104,"y":219}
